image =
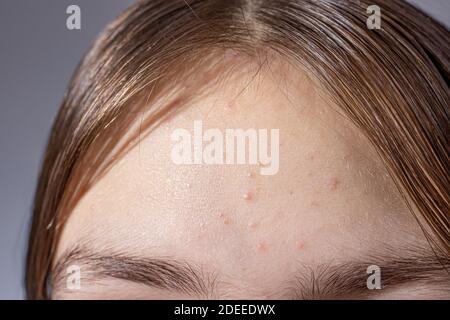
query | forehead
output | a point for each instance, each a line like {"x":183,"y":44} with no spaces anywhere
{"x":330,"y":199}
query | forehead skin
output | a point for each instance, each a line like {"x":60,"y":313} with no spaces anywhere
{"x":331,"y":199}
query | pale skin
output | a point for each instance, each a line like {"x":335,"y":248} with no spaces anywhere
{"x":332,"y":202}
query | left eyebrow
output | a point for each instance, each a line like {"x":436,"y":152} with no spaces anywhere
{"x":160,"y":273}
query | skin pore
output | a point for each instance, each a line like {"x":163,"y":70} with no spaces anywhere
{"x":152,"y":229}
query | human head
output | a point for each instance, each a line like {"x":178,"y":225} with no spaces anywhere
{"x":384,"y":92}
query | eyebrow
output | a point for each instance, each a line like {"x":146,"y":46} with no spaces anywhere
{"x":160,"y":273}
{"x":409,"y":265}
{"x":415,"y":265}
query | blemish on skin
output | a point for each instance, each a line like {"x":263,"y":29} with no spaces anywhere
{"x":333,"y":183}
{"x":253,"y":225}
{"x":248,"y":196}
{"x":300,"y":245}
{"x":231,"y":105}
{"x":226,"y":220}
{"x":262,"y":247}
{"x":250,"y":175}
{"x":315,"y":204}
{"x":291,"y":192}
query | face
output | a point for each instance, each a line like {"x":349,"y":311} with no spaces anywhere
{"x":329,"y":223}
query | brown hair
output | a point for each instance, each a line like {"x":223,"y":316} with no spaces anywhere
{"x":392,"y":83}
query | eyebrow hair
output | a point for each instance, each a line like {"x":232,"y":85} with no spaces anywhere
{"x":413,"y":265}
{"x":325,"y":281}
{"x":160,"y":273}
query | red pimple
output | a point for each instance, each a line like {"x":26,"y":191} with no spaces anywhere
{"x":225,"y":219}
{"x":314,"y":204}
{"x":230,"y":105}
{"x":300,"y":245}
{"x":248,"y":196}
{"x":262,"y":246}
{"x":333,"y":183}
{"x":253,"y":225}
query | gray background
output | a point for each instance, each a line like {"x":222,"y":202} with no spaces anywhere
{"x":37,"y":57}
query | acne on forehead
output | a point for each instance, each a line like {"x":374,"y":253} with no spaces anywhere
{"x":333,"y":183}
{"x":248,"y":195}
{"x":330,"y":183}
{"x":262,"y":246}
{"x":218,"y":212}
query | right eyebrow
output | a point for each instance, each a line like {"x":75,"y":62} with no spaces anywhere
{"x":160,"y":273}
{"x":410,"y":264}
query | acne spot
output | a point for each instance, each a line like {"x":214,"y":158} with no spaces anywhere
{"x":315,"y":204}
{"x":333,"y":183}
{"x":262,"y":247}
{"x":225,"y":219}
{"x":300,"y":245}
{"x":291,"y":192}
{"x":248,"y":196}
{"x":230,"y":105}
{"x":253,"y":225}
